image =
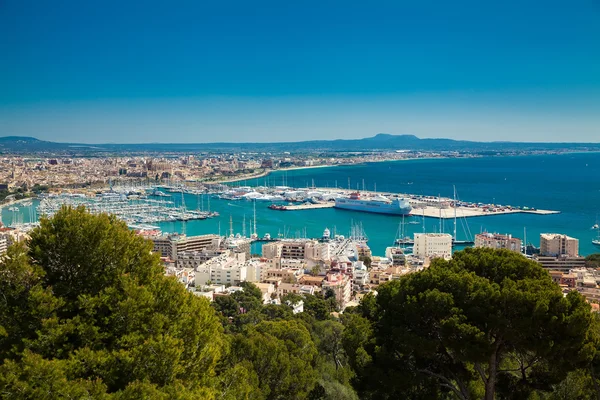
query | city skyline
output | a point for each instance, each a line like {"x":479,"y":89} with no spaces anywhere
{"x":271,"y":72}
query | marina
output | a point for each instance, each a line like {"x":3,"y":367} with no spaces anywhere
{"x":578,"y":206}
{"x":138,"y":212}
{"x":416,"y":205}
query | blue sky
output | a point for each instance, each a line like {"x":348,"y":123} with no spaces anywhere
{"x":199,"y":71}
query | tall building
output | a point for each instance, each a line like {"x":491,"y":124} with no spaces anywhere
{"x":555,"y":244}
{"x":433,"y":245}
{"x":341,"y":285}
{"x":228,"y":268}
{"x":170,"y":245}
{"x":3,"y":244}
{"x":496,"y":241}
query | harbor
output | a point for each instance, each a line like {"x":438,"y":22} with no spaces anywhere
{"x":139,"y":211}
{"x":299,"y":199}
{"x":575,"y":218}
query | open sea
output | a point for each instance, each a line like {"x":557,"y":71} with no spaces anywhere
{"x":569,"y":183}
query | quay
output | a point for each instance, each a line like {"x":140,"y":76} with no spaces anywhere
{"x":441,"y":207}
{"x":470,"y":212}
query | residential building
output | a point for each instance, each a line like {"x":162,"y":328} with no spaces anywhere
{"x":311,"y":280}
{"x":360,"y":274}
{"x":555,"y":244}
{"x":288,"y":275}
{"x":433,"y":245}
{"x":170,"y":245}
{"x":3,"y":244}
{"x":238,"y":245}
{"x":297,"y":307}
{"x":227,"y":268}
{"x":256,"y":270}
{"x":497,"y":241}
{"x":286,"y":288}
{"x":193,"y":259}
{"x":267,"y":290}
{"x":341,"y":286}
{"x":396,"y":255}
{"x":561,"y":263}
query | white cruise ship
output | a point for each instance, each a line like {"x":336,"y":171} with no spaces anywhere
{"x":379,"y":205}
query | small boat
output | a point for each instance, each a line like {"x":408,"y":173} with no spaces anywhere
{"x":277,"y":207}
{"x":158,"y":193}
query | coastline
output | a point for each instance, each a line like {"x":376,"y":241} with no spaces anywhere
{"x":268,"y":172}
{"x":12,"y":202}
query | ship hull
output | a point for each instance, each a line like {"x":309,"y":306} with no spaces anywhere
{"x":377,"y":209}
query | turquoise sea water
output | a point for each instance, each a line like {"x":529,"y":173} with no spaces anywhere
{"x":569,"y":183}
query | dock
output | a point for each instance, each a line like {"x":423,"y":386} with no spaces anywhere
{"x":470,"y":212}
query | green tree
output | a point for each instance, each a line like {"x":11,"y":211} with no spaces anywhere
{"x":250,"y":298}
{"x":486,"y":321}
{"x":317,"y":306}
{"x":97,"y":312}
{"x":593,"y":260}
{"x":282,"y":355}
{"x":334,"y":371}
{"x":366,"y":260}
{"x":227,"y":306}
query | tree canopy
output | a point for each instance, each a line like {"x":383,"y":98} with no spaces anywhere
{"x":86,"y":308}
{"x":486,"y":322}
{"x":86,"y":311}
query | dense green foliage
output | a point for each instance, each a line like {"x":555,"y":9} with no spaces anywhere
{"x":593,"y":260}
{"x":86,"y":312}
{"x":486,"y":324}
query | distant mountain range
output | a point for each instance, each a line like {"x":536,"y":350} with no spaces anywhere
{"x":380,"y":142}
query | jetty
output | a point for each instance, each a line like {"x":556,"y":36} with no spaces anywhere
{"x":472,"y":211}
{"x":425,"y":206}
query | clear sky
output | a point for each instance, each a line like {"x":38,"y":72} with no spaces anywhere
{"x":205,"y":71}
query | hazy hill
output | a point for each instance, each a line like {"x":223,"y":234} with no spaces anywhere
{"x":382,"y":141}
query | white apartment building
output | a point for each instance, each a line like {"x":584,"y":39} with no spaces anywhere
{"x":433,"y":245}
{"x":360,"y":274}
{"x":256,"y":270}
{"x":496,"y":241}
{"x":3,"y":244}
{"x":296,"y":253}
{"x":341,"y":286}
{"x":556,"y":244}
{"x":225,"y":269}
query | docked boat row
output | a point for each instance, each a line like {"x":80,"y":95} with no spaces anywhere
{"x":133,"y":212}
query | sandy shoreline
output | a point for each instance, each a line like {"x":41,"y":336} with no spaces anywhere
{"x":266,"y":173}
